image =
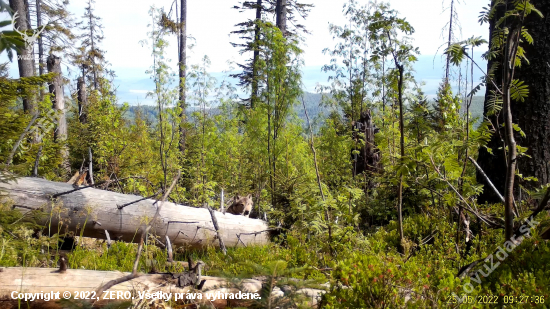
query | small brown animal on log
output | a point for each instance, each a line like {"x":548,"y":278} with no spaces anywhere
{"x":62,"y":264}
{"x":241,"y":205}
{"x":79,"y":178}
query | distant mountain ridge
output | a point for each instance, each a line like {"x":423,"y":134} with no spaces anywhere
{"x":312,"y":102}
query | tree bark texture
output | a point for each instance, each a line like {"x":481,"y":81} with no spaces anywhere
{"x":58,"y":97}
{"x":45,"y":280}
{"x":532,"y":116}
{"x":93,"y":211}
{"x":82,"y":97}
{"x":257,"y":31}
{"x":58,"y":101}
{"x":280,"y":11}
{"x":40,"y":42}
{"x":182,"y":59}
{"x":368,"y":159}
{"x":25,"y":56}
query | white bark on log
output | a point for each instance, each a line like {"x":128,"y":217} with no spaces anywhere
{"x":46,"y":280}
{"x":96,"y":211}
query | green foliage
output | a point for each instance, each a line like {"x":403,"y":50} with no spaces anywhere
{"x":447,"y":108}
{"x":459,"y":51}
{"x":17,"y":246}
{"x":335,"y":226}
{"x":381,"y":278}
{"x":10,"y":41}
{"x":518,"y":90}
{"x":14,"y":122}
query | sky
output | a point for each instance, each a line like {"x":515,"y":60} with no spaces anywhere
{"x":210,"y":23}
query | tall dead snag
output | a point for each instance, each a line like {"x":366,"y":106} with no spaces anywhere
{"x":401,"y":69}
{"x":281,"y":19}
{"x":58,"y":101}
{"x":182,"y":59}
{"x":82,"y":98}
{"x":257,"y":32}
{"x":400,"y":80}
{"x":25,"y":57}
{"x":451,"y":20}
{"x":367,"y":161}
{"x":40,"y":42}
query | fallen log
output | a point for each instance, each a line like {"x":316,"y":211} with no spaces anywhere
{"x":82,"y":282}
{"x":92,"y":211}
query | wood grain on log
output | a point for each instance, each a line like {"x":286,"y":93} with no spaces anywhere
{"x":45,"y":280}
{"x":95,"y":211}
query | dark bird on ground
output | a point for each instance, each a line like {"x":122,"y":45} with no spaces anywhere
{"x":191,"y":277}
{"x":62,"y":264}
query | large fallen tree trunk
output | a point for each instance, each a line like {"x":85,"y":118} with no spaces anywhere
{"x":15,"y":280}
{"x":92,"y":212}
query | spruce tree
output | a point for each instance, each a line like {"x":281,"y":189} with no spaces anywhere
{"x":58,"y":23}
{"x":251,"y":34}
{"x":89,"y":57}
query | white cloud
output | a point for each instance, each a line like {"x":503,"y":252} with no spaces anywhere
{"x":125,"y":25}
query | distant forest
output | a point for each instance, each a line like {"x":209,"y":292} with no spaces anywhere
{"x":315,"y":110}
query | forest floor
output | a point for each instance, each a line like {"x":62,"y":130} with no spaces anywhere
{"x":364,"y":270}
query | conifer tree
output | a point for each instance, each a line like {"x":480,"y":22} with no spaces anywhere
{"x":179,"y":27}
{"x":57,"y":36}
{"x":250,"y":32}
{"x":90,"y":58}
{"x":182,"y":69}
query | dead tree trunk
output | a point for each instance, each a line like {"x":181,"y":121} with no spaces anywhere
{"x":93,"y":211}
{"x":46,"y":280}
{"x":281,"y":8}
{"x":182,"y":57}
{"x":448,"y":63}
{"x":25,"y":57}
{"x":257,"y":32}
{"x":368,"y":159}
{"x":40,"y":42}
{"x":82,"y":98}
{"x":58,"y":100}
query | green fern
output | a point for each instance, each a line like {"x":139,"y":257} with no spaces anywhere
{"x":518,"y":90}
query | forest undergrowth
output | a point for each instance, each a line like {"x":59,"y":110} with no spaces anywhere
{"x":378,"y":195}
